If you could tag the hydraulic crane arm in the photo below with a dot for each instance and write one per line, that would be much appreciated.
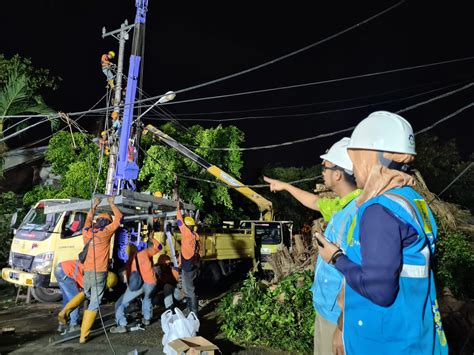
(265, 207)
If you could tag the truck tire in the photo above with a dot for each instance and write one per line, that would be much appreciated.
(214, 273)
(46, 295)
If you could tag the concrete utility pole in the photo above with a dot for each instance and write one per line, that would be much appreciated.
(113, 144)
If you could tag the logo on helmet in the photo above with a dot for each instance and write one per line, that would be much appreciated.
(411, 139)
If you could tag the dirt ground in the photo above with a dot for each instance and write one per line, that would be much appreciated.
(35, 330)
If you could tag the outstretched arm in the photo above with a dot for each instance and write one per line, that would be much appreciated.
(306, 198)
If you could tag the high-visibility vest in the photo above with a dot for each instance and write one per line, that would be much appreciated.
(412, 324)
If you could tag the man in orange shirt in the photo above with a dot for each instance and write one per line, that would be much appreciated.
(107, 67)
(147, 273)
(68, 273)
(97, 238)
(189, 258)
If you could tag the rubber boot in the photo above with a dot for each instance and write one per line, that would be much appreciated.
(193, 305)
(75, 302)
(87, 322)
(111, 83)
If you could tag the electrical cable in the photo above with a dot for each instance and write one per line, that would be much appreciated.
(452, 182)
(300, 115)
(270, 146)
(276, 60)
(312, 103)
(221, 183)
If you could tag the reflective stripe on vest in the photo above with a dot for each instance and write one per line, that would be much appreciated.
(408, 270)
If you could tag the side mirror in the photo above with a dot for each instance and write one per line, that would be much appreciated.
(13, 220)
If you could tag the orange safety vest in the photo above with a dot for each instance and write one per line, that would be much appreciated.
(104, 61)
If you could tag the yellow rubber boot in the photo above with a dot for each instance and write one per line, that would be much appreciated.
(75, 302)
(111, 83)
(87, 322)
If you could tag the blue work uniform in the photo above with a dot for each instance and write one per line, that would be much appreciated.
(409, 322)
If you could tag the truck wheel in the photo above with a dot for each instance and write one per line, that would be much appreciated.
(214, 273)
(46, 295)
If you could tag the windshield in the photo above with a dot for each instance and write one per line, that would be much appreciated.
(268, 233)
(37, 225)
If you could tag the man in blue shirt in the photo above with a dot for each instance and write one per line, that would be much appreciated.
(337, 174)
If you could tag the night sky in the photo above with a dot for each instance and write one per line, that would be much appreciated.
(190, 43)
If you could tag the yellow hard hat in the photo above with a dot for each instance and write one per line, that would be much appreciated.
(112, 279)
(112, 54)
(157, 194)
(189, 221)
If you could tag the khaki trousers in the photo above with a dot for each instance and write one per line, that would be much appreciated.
(323, 332)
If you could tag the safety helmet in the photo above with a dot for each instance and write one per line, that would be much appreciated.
(337, 155)
(112, 279)
(157, 194)
(189, 221)
(104, 215)
(384, 131)
(112, 54)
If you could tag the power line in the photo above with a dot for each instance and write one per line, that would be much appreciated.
(308, 104)
(314, 83)
(276, 60)
(299, 115)
(270, 146)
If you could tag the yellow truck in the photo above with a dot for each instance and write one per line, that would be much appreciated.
(269, 235)
(39, 243)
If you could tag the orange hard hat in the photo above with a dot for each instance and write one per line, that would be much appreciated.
(104, 215)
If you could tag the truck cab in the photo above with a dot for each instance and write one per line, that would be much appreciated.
(270, 236)
(40, 242)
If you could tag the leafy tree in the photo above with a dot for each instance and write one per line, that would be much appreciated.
(286, 206)
(20, 87)
(439, 163)
(38, 79)
(161, 163)
(77, 162)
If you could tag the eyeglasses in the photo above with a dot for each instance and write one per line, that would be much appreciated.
(324, 168)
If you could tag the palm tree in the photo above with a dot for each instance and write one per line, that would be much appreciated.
(16, 98)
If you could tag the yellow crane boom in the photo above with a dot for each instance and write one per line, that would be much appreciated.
(264, 206)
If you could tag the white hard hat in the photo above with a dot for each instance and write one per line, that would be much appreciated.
(337, 155)
(384, 131)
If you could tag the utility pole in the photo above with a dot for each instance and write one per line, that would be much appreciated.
(113, 143)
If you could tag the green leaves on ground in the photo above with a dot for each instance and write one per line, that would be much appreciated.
(280, 316)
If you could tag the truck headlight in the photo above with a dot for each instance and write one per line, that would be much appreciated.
(43, 263)
(10, 259)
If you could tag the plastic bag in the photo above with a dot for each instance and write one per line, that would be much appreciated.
(176, 326)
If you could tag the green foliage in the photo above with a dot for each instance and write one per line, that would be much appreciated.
(286, 206)
(279, 317)
(439, 163)
(64, 149)
(162, 163)
(454, 264)
(8, 206)
(77, 165)
(38, 78)
(39, 193)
